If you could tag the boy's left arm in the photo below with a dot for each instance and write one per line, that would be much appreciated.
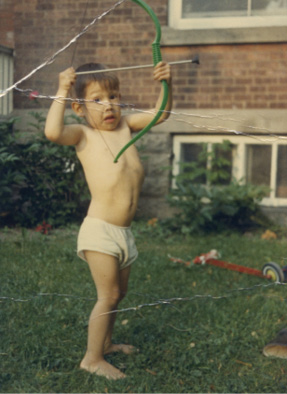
(138, 121)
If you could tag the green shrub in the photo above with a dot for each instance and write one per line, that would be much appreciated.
(10, 168)
(219, 204)
(40, 181)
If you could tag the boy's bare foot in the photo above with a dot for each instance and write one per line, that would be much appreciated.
(126, 349)
(103, 368)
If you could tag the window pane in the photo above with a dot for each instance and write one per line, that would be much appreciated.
(214, 8)
(281, 184)
(222, 167)
(258, 164)
(269, 7)
(194, 154)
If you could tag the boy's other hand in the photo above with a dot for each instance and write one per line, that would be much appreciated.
(67, 79)
(162, 71)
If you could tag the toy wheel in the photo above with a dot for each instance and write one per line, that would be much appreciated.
(274, 271)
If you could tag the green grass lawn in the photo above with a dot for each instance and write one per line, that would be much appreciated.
(211, 342)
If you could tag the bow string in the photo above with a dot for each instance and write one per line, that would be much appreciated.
(156, 59)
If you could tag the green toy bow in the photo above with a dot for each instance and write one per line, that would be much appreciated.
(156, 59)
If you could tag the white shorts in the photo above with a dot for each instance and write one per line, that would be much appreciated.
(99, 236)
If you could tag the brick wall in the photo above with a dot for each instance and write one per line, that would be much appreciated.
(236, 76)
(121, 38)
(7, 23)
(230, 76)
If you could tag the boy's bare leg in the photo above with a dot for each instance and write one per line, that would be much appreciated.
(105, 272)
(109, 346)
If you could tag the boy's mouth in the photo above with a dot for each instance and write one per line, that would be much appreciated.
(109, 119)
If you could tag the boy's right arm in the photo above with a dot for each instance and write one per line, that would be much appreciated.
(55, 130)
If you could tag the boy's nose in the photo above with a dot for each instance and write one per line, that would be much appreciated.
(108, 104)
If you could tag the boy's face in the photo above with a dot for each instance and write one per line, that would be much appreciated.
(102, 110)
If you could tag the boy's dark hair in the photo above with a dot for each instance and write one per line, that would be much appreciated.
(106, 80)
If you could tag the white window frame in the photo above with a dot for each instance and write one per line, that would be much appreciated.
(6, 79)
(177, 22)
(239, 158)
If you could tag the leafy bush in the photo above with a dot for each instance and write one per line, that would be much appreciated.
(11, 176)
(40, 181)
(222, 203)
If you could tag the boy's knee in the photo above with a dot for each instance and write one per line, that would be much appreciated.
(117, 297)
(112, 299)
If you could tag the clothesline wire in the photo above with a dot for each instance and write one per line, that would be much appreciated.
(155, 302)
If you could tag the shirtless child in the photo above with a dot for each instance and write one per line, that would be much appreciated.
(105, 240)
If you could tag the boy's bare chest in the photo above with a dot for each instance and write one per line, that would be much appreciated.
(99, 143)
(98, 154)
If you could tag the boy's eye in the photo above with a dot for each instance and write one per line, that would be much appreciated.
(97, 100)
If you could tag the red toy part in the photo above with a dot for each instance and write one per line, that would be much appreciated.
(270, 270)
(204, 257)
(177, 260)
(209, 258)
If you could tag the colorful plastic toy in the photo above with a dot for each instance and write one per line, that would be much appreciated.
(271, 271)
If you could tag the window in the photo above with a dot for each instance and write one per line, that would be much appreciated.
(212, 14)
(256, 162)
(6, 79)
(281, 179)
(202, 154)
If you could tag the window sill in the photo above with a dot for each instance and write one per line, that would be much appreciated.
(264, 122)
(6, 50)
(174, 37)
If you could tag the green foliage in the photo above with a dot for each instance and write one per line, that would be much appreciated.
(40, 181)
(220, 202)
(11, 174)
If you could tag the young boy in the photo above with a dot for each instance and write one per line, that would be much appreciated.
(105, 240)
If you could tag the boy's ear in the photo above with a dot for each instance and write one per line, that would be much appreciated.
(78, 108)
